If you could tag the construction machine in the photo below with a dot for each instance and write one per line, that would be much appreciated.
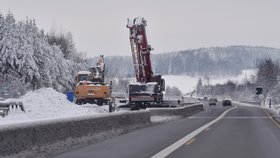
(148, 90)
(90, 85)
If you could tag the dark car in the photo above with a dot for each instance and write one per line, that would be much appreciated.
(226, 102)
(213, 101)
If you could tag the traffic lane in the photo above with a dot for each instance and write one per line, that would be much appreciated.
(246, 111)
(243, 132)
(147, 141)
(218, 105)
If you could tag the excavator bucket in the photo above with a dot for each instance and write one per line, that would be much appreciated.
(6, 107)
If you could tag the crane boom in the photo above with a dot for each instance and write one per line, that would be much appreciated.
(140, 50)
(148, 90)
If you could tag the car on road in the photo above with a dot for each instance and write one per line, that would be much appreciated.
(226, 102)
(213, 101)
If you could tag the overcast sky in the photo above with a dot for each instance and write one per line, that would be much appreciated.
(99, 26)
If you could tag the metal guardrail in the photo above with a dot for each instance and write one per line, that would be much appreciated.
(6, 107)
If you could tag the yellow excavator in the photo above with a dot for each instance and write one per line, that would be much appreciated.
(90, 85)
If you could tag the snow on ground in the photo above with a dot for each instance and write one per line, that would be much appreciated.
(46, 104)
(187, 83)
(274, 109)
(239, 78)
(247, 104)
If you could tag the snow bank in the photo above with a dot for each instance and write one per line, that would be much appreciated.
(246, 104)
(46, 104)
(274, 109)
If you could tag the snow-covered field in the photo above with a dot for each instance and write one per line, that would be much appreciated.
(46, 104)
(187, 83)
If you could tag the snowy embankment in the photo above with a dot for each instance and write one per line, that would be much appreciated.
(247, 104)
(273, 109)
(48, 104)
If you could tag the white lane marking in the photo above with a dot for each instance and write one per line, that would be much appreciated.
(246, 117)
(165, 152)
(234, 117)
(200, 117)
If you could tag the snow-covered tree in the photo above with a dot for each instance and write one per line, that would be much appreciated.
(26, 56)
(64, 41)
(267, 74)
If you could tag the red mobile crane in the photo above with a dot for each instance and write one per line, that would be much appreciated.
(148, 89)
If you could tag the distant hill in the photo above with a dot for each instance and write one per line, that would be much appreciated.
(214, 61)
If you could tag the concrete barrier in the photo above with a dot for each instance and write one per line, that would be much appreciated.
(56, 135)
(184, 111)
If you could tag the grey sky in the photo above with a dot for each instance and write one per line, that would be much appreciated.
(98, 26)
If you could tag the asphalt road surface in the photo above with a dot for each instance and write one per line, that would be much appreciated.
(242, 132)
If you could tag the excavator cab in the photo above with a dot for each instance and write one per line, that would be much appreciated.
(82, 76)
